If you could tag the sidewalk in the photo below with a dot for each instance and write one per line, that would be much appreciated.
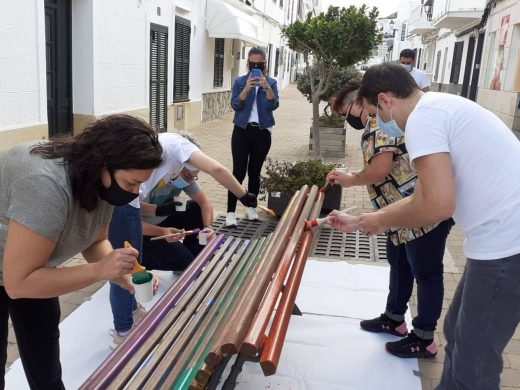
(290, 142)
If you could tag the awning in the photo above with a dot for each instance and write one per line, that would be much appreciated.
(226, 21)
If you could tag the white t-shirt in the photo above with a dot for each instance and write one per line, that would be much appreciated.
(176, 152)
(485, 157)
(420, 78)
(253, 116)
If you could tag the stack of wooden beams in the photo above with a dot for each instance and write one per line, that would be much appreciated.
(221, 306)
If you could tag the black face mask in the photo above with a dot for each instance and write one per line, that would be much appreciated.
(355, 121)
(114, 194)
(256, 65)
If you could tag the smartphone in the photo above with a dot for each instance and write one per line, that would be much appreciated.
(256, 73)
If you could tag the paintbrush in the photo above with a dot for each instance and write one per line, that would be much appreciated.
(268, 211)
(180, 234)
(139, 273)
(327, 183)
(317, 222)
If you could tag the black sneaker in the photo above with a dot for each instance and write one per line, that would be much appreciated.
(412, 346)
(384, 324)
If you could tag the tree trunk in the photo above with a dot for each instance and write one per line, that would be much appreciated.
(316, 126)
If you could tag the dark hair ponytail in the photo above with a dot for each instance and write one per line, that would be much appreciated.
(116, 141)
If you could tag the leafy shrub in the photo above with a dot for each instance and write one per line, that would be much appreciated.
(285, 176)
(332, 121)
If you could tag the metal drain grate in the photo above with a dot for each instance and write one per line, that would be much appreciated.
(327, 243)
(245, 229)
(354, 246)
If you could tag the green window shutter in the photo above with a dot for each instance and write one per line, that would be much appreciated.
(181, 70)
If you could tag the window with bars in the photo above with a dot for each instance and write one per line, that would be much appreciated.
(181, 69)
(158, 77)
(218, 66)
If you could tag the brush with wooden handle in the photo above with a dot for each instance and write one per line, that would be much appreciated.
(180, 234)
(139, 272)
(268, 211)
(317, 222)
(328, 183)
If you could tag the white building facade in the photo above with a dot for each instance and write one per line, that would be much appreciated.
(64, 63)
(499, 87)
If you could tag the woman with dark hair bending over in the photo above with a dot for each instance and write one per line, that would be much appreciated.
(56, 200)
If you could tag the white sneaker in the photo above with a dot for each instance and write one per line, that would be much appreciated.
(231, 219)
(252, 214)
(137, 315)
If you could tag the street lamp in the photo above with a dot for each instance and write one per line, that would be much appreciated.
(392, 25)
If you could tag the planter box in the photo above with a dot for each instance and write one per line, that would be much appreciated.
(332, 199)
(332, 141)
(278, 201)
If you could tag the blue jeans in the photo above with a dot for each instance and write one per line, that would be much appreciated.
(480, 322)
(420, 259)
(125, 225)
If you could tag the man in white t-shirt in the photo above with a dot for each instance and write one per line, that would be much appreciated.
(407, 60)
(467, 162)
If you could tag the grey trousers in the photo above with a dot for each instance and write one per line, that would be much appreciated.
(480, 322)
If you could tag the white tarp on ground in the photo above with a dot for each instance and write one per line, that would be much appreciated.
(324, 349)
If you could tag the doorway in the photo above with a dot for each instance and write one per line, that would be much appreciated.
(476, 68)
(58, 50)
(468, 67)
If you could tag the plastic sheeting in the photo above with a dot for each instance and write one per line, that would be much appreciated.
(324, 349)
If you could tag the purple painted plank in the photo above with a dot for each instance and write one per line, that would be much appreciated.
(105, 373)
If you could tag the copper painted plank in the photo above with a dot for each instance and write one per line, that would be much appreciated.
(256, 334)
(255, 291)
(272, 348)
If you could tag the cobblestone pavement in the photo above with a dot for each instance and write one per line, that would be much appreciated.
(291, 142)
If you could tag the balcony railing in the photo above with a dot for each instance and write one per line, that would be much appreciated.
(455, 14)
(420, 18)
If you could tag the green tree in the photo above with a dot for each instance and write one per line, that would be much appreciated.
(338, 38)
(338, 78)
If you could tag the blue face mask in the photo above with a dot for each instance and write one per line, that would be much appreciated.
(179, 182)
(390, 128)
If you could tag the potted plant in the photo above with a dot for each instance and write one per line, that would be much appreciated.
(330, 42)
(283, 178)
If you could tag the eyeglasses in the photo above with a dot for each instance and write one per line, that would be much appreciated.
(259, 65)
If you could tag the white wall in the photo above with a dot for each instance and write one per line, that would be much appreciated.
(110, 54)
(121, 53)
(23, 96)
(403, 15)
(446, 42)
(83, 57)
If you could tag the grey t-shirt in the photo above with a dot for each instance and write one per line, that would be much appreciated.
(37, 193)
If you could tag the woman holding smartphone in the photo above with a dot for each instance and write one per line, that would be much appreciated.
(254, 98)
